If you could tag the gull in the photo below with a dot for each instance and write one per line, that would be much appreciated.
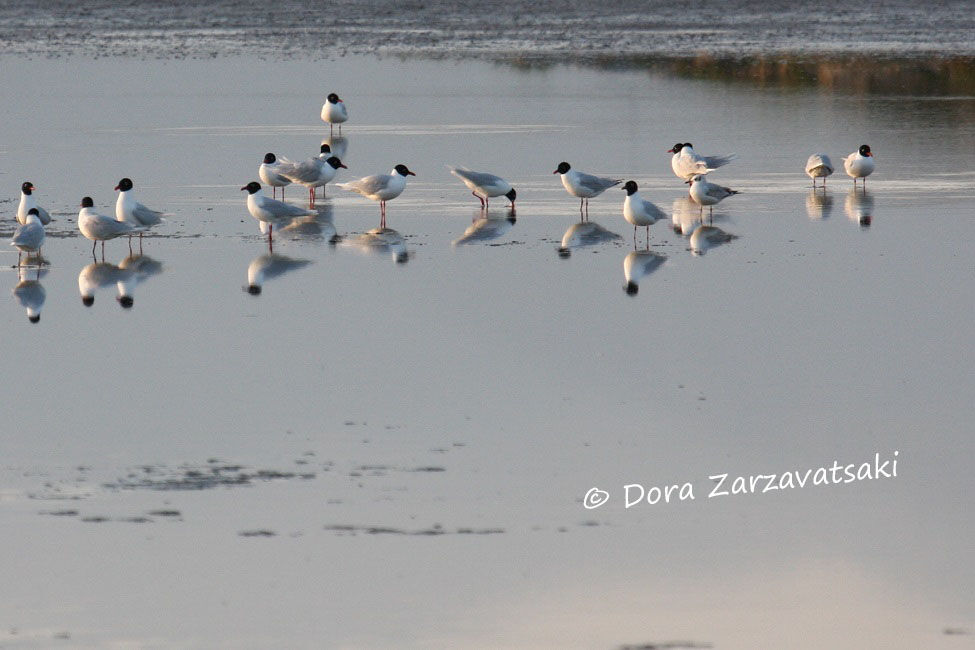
(640, 212)
(312, 173)
(484, 185)
(29, 236)
(270, 174)
(99, 227)
(687, 163)
(130, 211)
(30, 293)
(28, 201)
(334, 112)
(584, 186)
(859, 164)
(381, 187)
(708, 194)
(270, 211)
(819, 166)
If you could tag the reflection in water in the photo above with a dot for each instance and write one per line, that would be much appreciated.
(266, 267)
(314, 226)
(637, 265)
(584, 233)
(381, 241)
(135, 270)
(819, 204)
(486, 228)
(686, 216)
(98, 275)
(339, 145)
(704, 238)
(859, 207)
(29, 292)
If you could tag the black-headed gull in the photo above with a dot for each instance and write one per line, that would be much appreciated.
(705, 238)
(584, 186)
(859, 164)
(29, 236)
(28, 201)
(130, 211)
(637, 265)
(708, 194)
(687, 163)
(381, 187)
(638, 211)
(30, 294)
(312, 173)
(334, 112)
(271, 211)
(819, 166)
(270, 174)
(99, 227)
(484, 185)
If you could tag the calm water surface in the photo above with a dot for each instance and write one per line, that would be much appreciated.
(390, 445)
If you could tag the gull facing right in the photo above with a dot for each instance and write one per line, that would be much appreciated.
(859, 164)
(638, 211)
(708, 194)
(334, 112)
(28, 201)
(484, 185)
(381, 187)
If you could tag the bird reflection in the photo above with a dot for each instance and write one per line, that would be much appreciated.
(859, 207)
(584, 233)
(819, 204)
(486, 227)
(704, 238)
(637, 265)
(98, 275)
(313, 226)
(126, 275)
(381, 241)
(686, 216)
(29, 292)
(339, 145)
(267, 267)
(135, 269)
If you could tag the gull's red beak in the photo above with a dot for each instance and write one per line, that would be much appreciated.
(241, 189)
(115, 188)
(670, 151)
(342, 166)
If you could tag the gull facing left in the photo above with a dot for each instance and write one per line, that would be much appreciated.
(271, 211)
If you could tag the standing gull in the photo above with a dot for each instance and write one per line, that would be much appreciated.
(29, 236)
(584, 186)
(859, 164)
(640, 212)
(312, 173)
(270, 174)
(381, 187)
(130, 211)
(28, 201)
(99, 227)
(334, 112)
(687, 163)
(484, 185)
(708, 194)
(819, 166)
(270, 211)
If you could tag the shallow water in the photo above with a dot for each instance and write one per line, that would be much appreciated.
(373, 453)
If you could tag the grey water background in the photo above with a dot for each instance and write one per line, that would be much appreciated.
(379, 454)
